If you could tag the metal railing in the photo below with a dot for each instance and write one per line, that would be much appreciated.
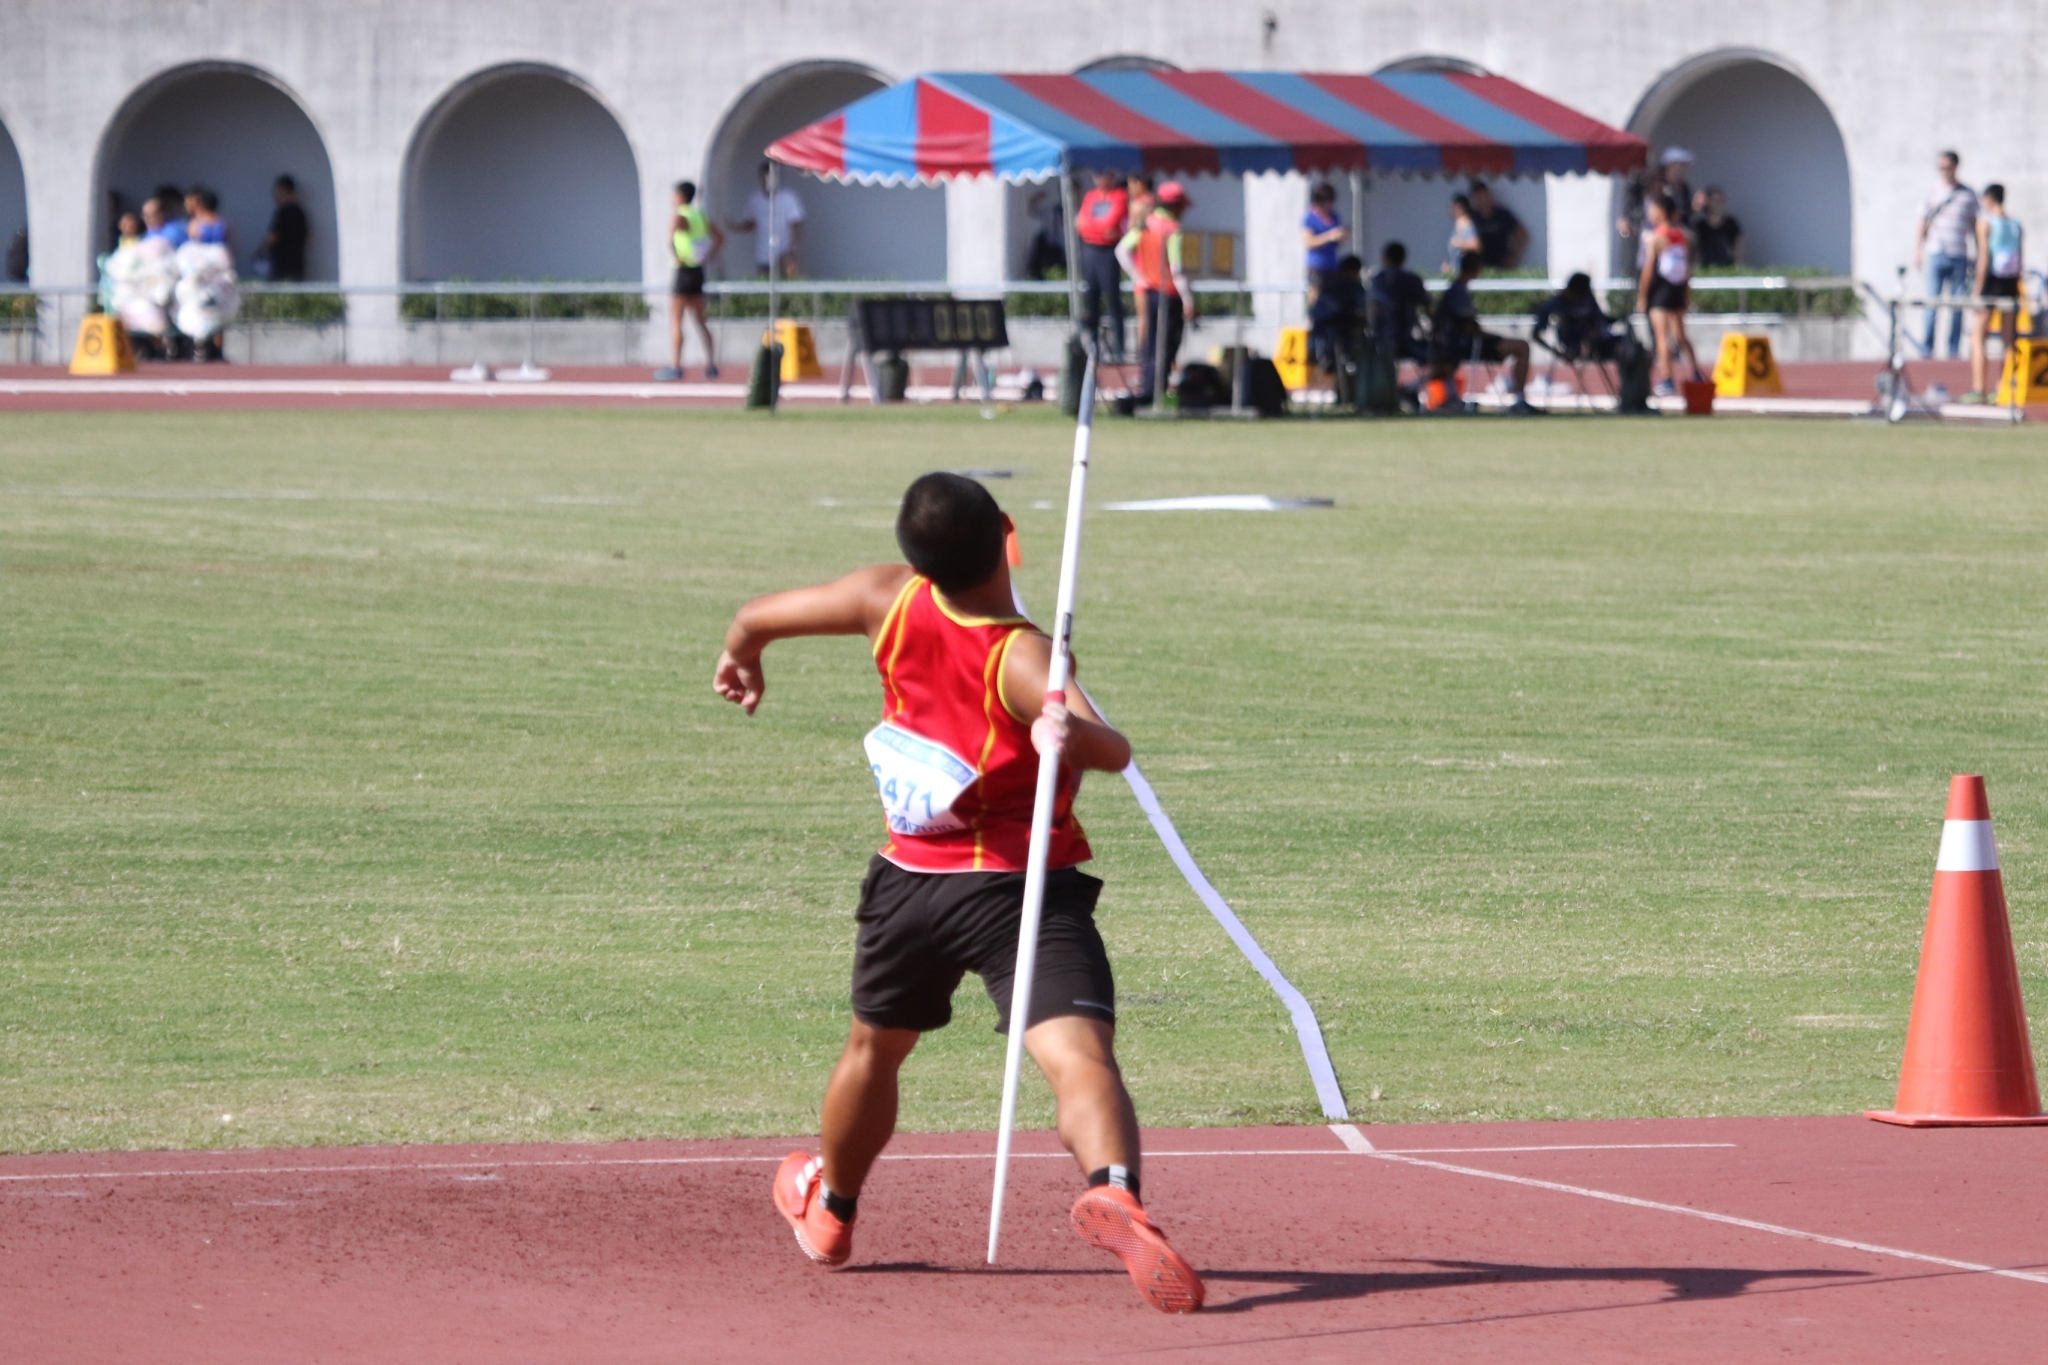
(617, 321)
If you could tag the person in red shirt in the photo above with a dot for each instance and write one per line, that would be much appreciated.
(1100, 224)
(965, 717)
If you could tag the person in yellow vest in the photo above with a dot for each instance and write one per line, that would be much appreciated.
(693, 239)
(1151, 256)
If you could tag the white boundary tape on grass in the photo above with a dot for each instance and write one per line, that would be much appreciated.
(1306, 1028)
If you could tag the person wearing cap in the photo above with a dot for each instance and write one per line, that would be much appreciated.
(1151, 256)
(1100, 223)
(1668, 179)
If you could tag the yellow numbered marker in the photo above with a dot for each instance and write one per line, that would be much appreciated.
(1746, 368)
(102, 347)
(799, 351)
(2026, 373)
(1291, 357)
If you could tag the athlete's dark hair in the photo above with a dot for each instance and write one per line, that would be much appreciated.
(951, 531)
(286, 183)
(1394, 253)
(1995, 193)
(688, 190)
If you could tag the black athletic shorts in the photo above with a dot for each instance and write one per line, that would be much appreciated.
(689, 282)
(920, 932)
(1668, 297)
(2001, 286)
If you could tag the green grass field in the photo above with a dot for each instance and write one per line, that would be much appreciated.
(360, 777)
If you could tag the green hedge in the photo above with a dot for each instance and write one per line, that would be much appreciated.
(546, 307)
(313, 309)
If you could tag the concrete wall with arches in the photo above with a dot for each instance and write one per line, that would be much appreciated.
(691, 89)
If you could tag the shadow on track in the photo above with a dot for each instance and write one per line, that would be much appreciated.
(1314, 1286)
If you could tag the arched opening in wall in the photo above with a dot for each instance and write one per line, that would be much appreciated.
(850, 232)
(13, 215)
(233, 130)
(1761, 133)
(1416, 211)
(519, 173)
(1125, 61)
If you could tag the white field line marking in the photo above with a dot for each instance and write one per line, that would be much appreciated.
(1353, 1140)
(386, 1166)
(1729, 1220)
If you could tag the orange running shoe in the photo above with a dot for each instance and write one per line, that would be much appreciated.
(798, 1182)
(1114, 1220)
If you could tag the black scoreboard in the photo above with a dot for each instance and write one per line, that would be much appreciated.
(922, 324)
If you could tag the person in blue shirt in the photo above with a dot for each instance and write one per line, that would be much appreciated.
(1322, 232)
(203, 222)
(2000, 257)
(161, 214)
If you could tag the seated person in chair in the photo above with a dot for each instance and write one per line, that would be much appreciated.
(1337, 321)
(1395, 300)
(1579, 328)
(1456, 337)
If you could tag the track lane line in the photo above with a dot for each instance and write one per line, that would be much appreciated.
(1707, 1215)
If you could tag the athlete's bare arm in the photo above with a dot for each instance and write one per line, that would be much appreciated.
(1087, 741)
(854, 605)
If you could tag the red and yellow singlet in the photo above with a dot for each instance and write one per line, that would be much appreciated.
(952, 763)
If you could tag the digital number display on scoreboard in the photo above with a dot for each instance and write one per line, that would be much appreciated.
(917, 324)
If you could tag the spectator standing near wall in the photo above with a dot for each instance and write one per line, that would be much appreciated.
(693, 239)
(2000, 261)
(1502, 238)
(1942, 243)
(283, 248)
(1669, 180)
(1101, 222)
(1464, 234)
(1153, 258)
(203, 223)
(1322, 235)
(164, 217)
(778, 227)
(1716, 232)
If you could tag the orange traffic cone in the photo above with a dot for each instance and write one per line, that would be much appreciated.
(1967, 1059)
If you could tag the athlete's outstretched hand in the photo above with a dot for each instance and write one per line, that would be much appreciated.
(1049, 732)
(740, 683)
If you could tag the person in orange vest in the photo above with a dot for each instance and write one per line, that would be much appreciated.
(1100, 223)
(1151, 256)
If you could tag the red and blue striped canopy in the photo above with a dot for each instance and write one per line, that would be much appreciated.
(1027, 127)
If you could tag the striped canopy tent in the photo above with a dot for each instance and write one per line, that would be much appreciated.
(1032, 127)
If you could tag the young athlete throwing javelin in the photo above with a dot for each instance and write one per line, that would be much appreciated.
(955, 761)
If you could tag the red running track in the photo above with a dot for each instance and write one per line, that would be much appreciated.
(669, 1251)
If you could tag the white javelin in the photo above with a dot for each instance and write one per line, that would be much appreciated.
(1041, 810)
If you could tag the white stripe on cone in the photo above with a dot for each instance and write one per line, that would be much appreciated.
(1967, 846)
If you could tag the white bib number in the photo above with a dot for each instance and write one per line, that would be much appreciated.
(917, 780)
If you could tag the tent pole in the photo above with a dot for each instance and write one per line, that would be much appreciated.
(774, 269)
(1073, 244)
(1358, 213)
